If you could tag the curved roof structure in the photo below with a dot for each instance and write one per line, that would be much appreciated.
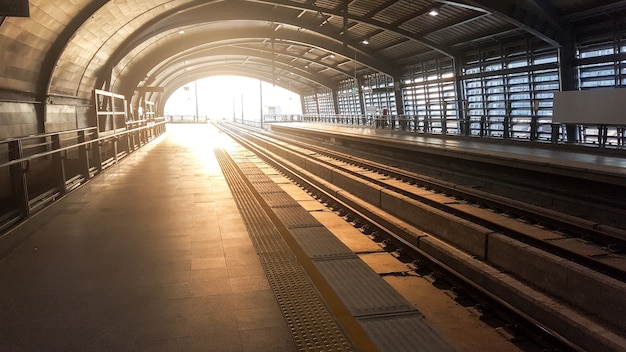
(66, 49)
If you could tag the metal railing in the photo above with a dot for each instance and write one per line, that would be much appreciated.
(37, 170)
(187, 119)
(513, 127)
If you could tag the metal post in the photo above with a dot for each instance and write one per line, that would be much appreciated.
(83, 155)
(18, 178)
(59, 164)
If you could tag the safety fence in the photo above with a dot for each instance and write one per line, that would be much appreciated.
(37, 170)
(515, 128)
(187, 119)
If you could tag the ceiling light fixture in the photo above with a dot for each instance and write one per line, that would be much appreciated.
(434, 11)
(181, 32)
(365, 41)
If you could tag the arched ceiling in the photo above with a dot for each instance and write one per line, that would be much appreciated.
(65, 49)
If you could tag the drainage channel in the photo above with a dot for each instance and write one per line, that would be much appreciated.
(310, 321)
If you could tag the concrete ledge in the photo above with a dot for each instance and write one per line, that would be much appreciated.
(367, 191)
(598, 294)
(462, 233)
(320, 170)
(563, 320)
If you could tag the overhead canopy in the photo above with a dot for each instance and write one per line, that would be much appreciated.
(65, 49)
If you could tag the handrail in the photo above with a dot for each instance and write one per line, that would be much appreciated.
(512, 127)
(48, 134)
(37, 180)
(73, 146)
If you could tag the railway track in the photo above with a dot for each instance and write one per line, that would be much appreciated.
(411, 211)
(595, 197)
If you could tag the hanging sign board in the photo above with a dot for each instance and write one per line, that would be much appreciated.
(591, 107)
(14, 8)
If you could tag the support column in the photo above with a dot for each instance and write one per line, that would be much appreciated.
(397, 95)
(567, 75)
(359, 87)
(335, 101)
(461, 102)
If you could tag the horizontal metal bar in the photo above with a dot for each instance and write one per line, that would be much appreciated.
(51, 152)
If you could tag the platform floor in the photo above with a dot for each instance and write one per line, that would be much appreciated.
(611, 162)
(152, 255)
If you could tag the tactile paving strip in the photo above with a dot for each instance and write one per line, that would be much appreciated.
(267, 187)
(319, 243)
(361, 289)
(279, 200)
(296, 217)
(398, 329)
(311, 324)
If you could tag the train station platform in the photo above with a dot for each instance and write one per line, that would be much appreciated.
(151, 255)
(158, 254)
(578, 161)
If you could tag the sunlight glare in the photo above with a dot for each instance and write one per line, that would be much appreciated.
(202, 139)
(230, 97)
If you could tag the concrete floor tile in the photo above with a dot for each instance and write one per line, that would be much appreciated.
(240, 251)
(233, 231)
(242, 260)
(177, 291)
(217, 324)
(170, 276)
(204, 275)
(210, 288)
(258, 318)
(254, 299)
(208, 263)
(208, 305)
(209, 252)
(236, 241)
(174, 264)
(254, 269)
(269, 339)
(182, 344)
(249, 284)
(222, 343)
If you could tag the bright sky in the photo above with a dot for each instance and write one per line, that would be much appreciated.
(219, 95)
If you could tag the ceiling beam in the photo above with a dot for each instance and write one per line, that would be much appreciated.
(362, 19)
(535, 17)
